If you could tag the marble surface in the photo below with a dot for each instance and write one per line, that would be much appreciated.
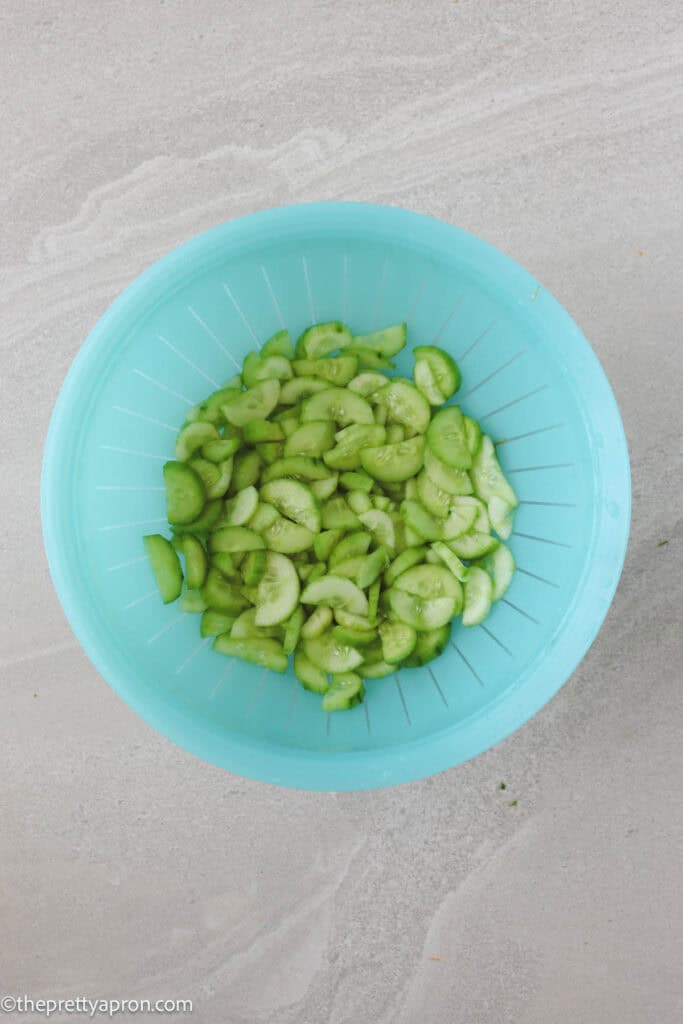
(127, 867)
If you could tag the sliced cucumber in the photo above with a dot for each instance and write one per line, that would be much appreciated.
(279, 344)
(245, 627)
(246, 470)
(263, 517)
(214, 623)
(398, 641)
(203, 523)
(372, 568)
(337, 371)
(478, 596)
(312, 439)
(487, 476)
(253, 567)
(294, 500)
(293, 631)
(356, 481)
(286, 537)
(353, 544)
(406, 405)
(321, 339)
(387, 342)
(454, 481)
(310, 677)
(317, 622)
(338, 593)
(278, 591)
(443, 370)
(325, 543)
(221, 450)
(429, 645)
(346, 691)
(261, 651)
(235, 538)
(359, 502)
(450, 560)
(473, 544)
(446, 438)
(430, 581)
(434, 499)
(185, 493)
(368, 359)
(406, 560)
(256, 431)
(374, 592)
(240, 509)
(473, 435)
(394, 462)
(336, 515)
(500, 512)
(326, 653)
(381, 526)
(298, 388)
(192, 437)
(338, 404)
(255, 404)
(196, 562)
(500, 566)
(326, 487)
(368, 384)
(221, 594)
(296, 467)
(421, 613)
(165, 566)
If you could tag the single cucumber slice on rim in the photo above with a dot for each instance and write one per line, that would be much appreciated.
(279, 344)
(388, 342)
(443, 368)
(165, 566)
(261, 651)
(185, 493)
(321, 339)
(478, 596)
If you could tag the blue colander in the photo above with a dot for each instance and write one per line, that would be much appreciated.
(180, 331)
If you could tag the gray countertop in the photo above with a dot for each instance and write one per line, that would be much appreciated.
(127, 867)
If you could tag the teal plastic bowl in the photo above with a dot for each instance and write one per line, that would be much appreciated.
(182, 329)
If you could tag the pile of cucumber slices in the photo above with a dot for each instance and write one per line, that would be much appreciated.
(326, 510)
